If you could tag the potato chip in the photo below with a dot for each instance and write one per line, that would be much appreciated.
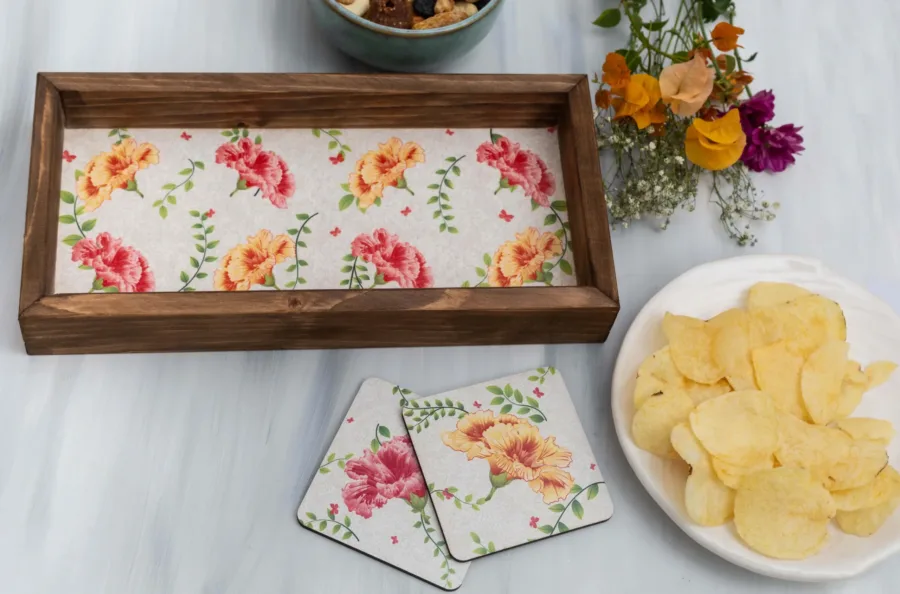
(853, 387)
(866, 521)
(777, 370)
(731, 474)
(871, 429)
(878, 373)
(821, 380)
(653, 422)
(822, 319)
(700, 393)
(731, 352)
(729, 317)
(768, 294)
(707, 501)
(685, 444)
(661, 366)
(738, 427)
(811, 447)
(885, 487)
(647, 387)
(691, 346)
(783, 513)
(859, 466)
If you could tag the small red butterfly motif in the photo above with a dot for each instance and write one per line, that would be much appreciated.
(552, 129)
(186, 136)
(210, 213)
(593, 467)
(534, 521)
(537, 392)
(395, 540)
(350, 420)
(449, 132)
(476, 404)
(335, 232)
(335, 509)
(338, 159)
(506, 216)
(68, 157)
(405, 212)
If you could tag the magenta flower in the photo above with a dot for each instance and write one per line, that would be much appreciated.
(772, 149)
(757, 111)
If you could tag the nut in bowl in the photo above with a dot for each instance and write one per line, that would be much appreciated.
(778, 437)
(405, 35)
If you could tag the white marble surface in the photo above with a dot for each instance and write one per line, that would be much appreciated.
(182, 473)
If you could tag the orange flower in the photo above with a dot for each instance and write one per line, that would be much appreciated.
(113, 171)
(717, 144)
(250, 263)
(703, 52)
(469, 435)
(603, 99)
(383, 168)
(686, 87)
(521, 453)
(520, 260)
(366, 194)
(615, 71)
(640, 101)
(725, 36)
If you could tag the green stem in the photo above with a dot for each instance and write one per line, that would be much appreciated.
(334, 138)
(377, 438)
(297, 249)
(339, 524)
(441, 189)
(520, 404)
(636, 24)
(491, 494)
(441, 493)
(577, 495)
(432, 411)
(202, 261)
(335, 461)
(187, 179)
(354, 276)
(75, 216)
(431, 538)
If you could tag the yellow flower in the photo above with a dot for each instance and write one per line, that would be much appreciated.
(520, 260)
(717, 144)
(469, 435)
(639, 100)
(383, 168)
(113, 170)
(514, 447)
(686, 87)
(521, 453)
(615, 71)
(250, 263)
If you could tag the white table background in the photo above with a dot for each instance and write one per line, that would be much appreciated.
(182, 473)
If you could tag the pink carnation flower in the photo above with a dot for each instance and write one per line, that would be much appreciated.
(392, 473)
(520, 168)
(398, 261)
(259, 169)
(116, 265)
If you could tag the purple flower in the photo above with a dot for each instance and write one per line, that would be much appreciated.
(757, 111)
(772, 149)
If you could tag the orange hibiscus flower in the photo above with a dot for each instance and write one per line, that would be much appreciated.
(615, 71)
(515, 450)
(469, 435)
(114, 170)
(383, 168)
(521, 260)
(640, 101)
(725, 36)
(250, 263)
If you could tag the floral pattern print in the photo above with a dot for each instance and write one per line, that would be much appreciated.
(394, 260)
(114, 170)
(381, 169)
(263, 170)
(448, 224)
(252, 263)
(390, 473)
(116, 265)
(519, 168)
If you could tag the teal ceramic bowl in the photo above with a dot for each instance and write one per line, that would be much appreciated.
(400, 49)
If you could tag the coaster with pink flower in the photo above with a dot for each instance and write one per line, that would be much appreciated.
(369, 493)
(517, 457)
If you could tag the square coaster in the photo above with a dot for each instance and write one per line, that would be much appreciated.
(514, 461)
(369, 493)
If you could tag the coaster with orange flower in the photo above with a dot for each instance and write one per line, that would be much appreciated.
(517, 457)
(369, 493)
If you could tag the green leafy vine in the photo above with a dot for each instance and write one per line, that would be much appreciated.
(298, 243)
(542, 374)
(482, 548)
(320, 524)
(508, 398)
(481, 272)
(333, 459)
(441, 198)
(576, 507)
(334, 143)
(187, 183)
(418, 415)
(203, 246)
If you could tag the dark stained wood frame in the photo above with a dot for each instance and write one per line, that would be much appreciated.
(115, 323)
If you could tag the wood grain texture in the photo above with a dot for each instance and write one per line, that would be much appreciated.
(111, 323)
(39, 253)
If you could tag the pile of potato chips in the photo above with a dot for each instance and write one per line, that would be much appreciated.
(758, 402)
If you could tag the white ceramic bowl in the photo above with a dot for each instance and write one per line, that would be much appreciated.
(873, 331)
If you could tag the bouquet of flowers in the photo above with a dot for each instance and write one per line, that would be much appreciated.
(675, 103)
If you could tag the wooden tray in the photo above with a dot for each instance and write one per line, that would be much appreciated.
(54, 322)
